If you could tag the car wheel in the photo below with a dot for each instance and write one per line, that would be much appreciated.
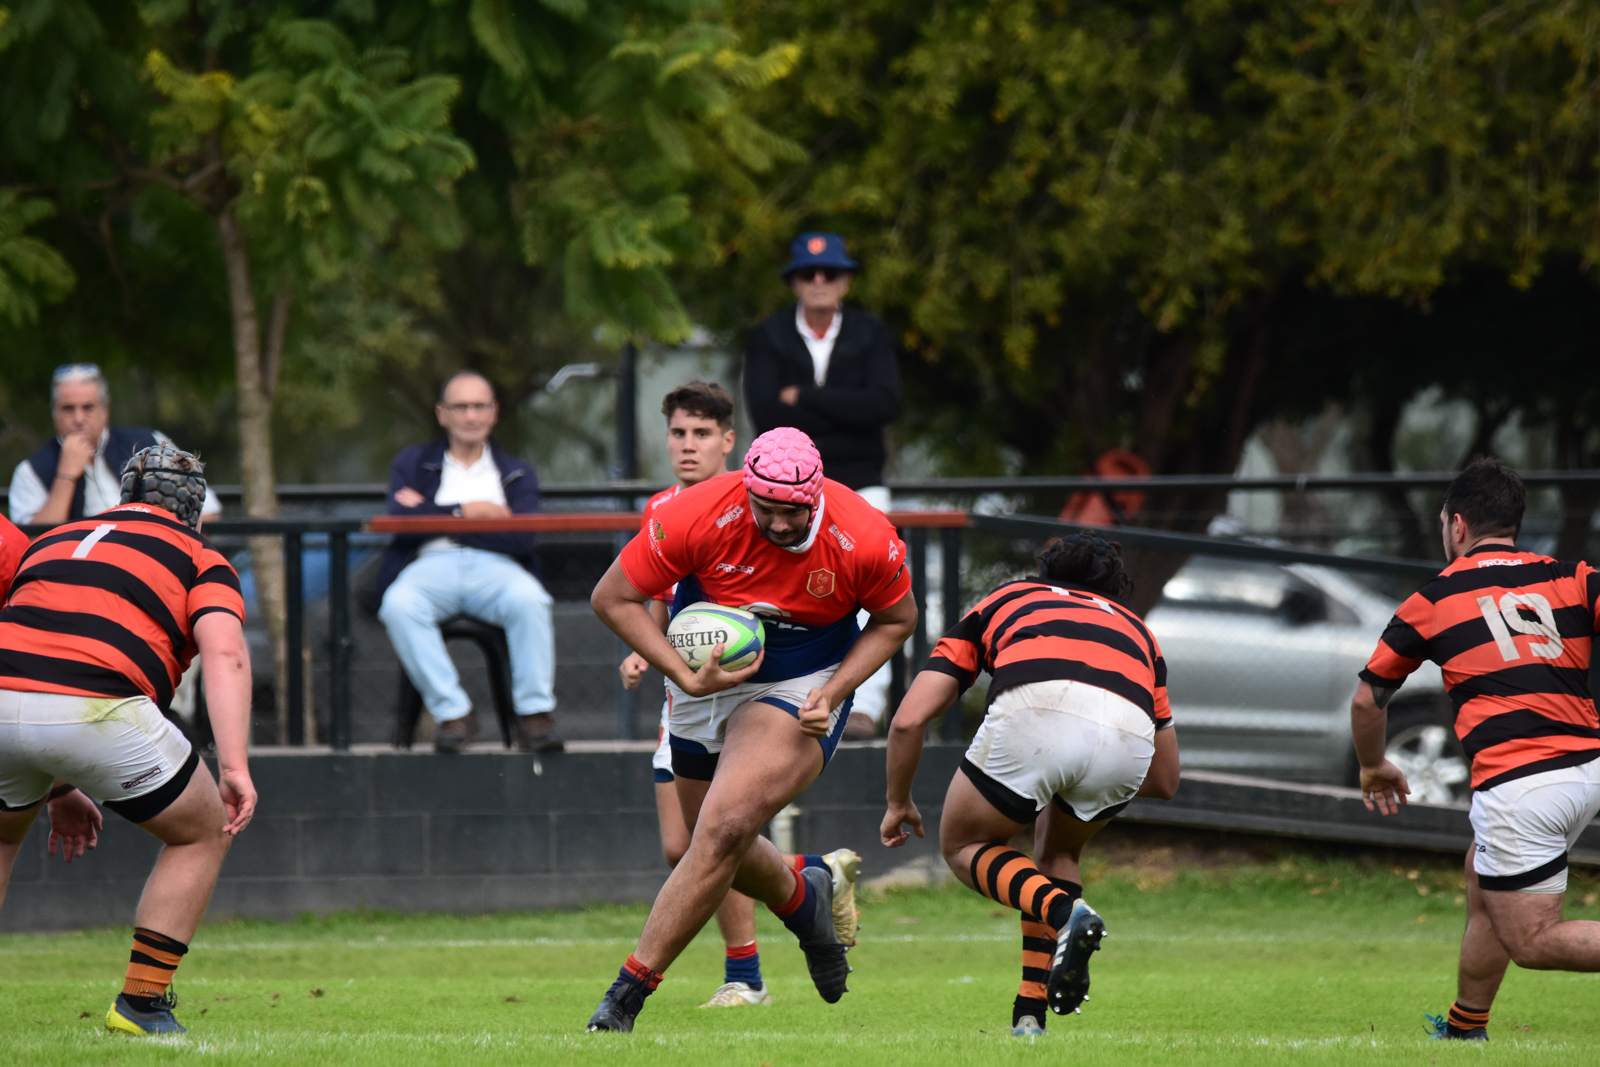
(1429, 755)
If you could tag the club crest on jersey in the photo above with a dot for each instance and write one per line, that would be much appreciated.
(819, 583)
(841, 537)
(729, 515)
(657, 531)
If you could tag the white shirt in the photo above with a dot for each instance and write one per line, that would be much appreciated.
(821, 348)
(464, 483)
(102, 487)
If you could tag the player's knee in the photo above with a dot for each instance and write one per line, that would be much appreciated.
(726, 834)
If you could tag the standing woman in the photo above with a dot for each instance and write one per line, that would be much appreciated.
(1077, 725)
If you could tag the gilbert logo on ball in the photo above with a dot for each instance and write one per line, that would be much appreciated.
(701, 626)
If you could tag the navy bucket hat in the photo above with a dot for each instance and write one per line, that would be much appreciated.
(813, 250)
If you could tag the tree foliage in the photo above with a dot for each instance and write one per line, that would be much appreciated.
(1094, 216)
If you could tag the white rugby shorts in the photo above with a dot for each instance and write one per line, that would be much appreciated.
(1082, 745)
(698, 726)
(121, 751)
(1522, 829)
(661, 762)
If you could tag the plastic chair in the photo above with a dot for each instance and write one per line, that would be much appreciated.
(496, 652)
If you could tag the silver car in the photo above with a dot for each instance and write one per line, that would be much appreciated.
(1262, 661)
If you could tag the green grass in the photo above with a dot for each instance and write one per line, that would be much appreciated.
(1298, 961)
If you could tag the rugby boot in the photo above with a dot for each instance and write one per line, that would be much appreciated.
(846, 919)
(620, 1006)
(1028, 1027)
(453, 735)
(824, 954)
(1069, 969)
(738, 995)
(1439, 1029)
(124, 1018)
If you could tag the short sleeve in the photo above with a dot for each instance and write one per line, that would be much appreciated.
(659, 553)
(13, 543)
(959, 652)
(1403, 646)
(1162, 707)
(886, 577)
(216, 588)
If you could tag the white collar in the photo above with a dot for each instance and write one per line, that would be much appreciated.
(476, 465)
(806, 331)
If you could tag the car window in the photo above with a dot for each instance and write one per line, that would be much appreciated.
(1227, 585)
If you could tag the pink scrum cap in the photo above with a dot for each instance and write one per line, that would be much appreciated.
(783, 465)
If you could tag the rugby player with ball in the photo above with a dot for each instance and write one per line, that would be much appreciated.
(805, 554)
(699, 439)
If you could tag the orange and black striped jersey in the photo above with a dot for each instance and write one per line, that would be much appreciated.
(1036, 630)
(1512, 633)
(107, 606)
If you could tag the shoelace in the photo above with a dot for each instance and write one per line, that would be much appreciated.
(1435, 1027)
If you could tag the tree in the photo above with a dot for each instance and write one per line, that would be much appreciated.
(1090, 221)
(301, 148)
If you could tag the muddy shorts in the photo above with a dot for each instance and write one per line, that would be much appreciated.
(121, 751)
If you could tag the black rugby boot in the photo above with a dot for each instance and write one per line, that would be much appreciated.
(824, 952)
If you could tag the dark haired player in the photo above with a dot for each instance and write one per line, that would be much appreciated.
(104, 616)
(1513, 633)
(1077, 724)
(805, 553)
(699, 439)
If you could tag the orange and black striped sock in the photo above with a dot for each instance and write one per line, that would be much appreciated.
(1463, 1018)
(150, 967)
(1008, 877)
(1038, 946)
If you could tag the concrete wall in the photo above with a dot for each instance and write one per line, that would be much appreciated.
(493, 831)
(412, 832)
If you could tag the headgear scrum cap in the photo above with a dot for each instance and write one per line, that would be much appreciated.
(783, 465)
(168, 477)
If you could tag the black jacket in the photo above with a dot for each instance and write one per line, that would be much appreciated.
(421, 467)
(846, 415)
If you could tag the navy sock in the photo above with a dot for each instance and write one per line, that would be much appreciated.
(814, 861)
(743, 964)
(800, 910)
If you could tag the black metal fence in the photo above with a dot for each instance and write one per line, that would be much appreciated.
(970, 555)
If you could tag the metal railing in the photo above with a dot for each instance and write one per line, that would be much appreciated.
(915, 527)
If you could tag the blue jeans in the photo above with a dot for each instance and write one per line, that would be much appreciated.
(486, 586)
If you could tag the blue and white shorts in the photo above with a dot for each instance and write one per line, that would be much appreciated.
(697, 726)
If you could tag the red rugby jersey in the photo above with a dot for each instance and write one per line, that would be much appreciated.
(107, 606)
(706, 539)
(1512, 633)
(13, 542)
(649, 514)
(1036, 630)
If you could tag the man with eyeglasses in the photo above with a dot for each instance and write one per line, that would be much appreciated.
(77, 472)
(425, 580)
(828, 369)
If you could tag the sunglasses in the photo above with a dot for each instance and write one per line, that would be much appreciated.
(825, 274)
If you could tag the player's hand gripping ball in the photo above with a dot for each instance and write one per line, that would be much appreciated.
(701, 626)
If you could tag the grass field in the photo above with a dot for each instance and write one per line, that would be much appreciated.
(1295, 961)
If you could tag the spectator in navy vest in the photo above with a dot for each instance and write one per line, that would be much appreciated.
(828, 368)
(425, 580)
(78, 472)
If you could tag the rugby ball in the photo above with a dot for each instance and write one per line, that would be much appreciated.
(698, 628)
